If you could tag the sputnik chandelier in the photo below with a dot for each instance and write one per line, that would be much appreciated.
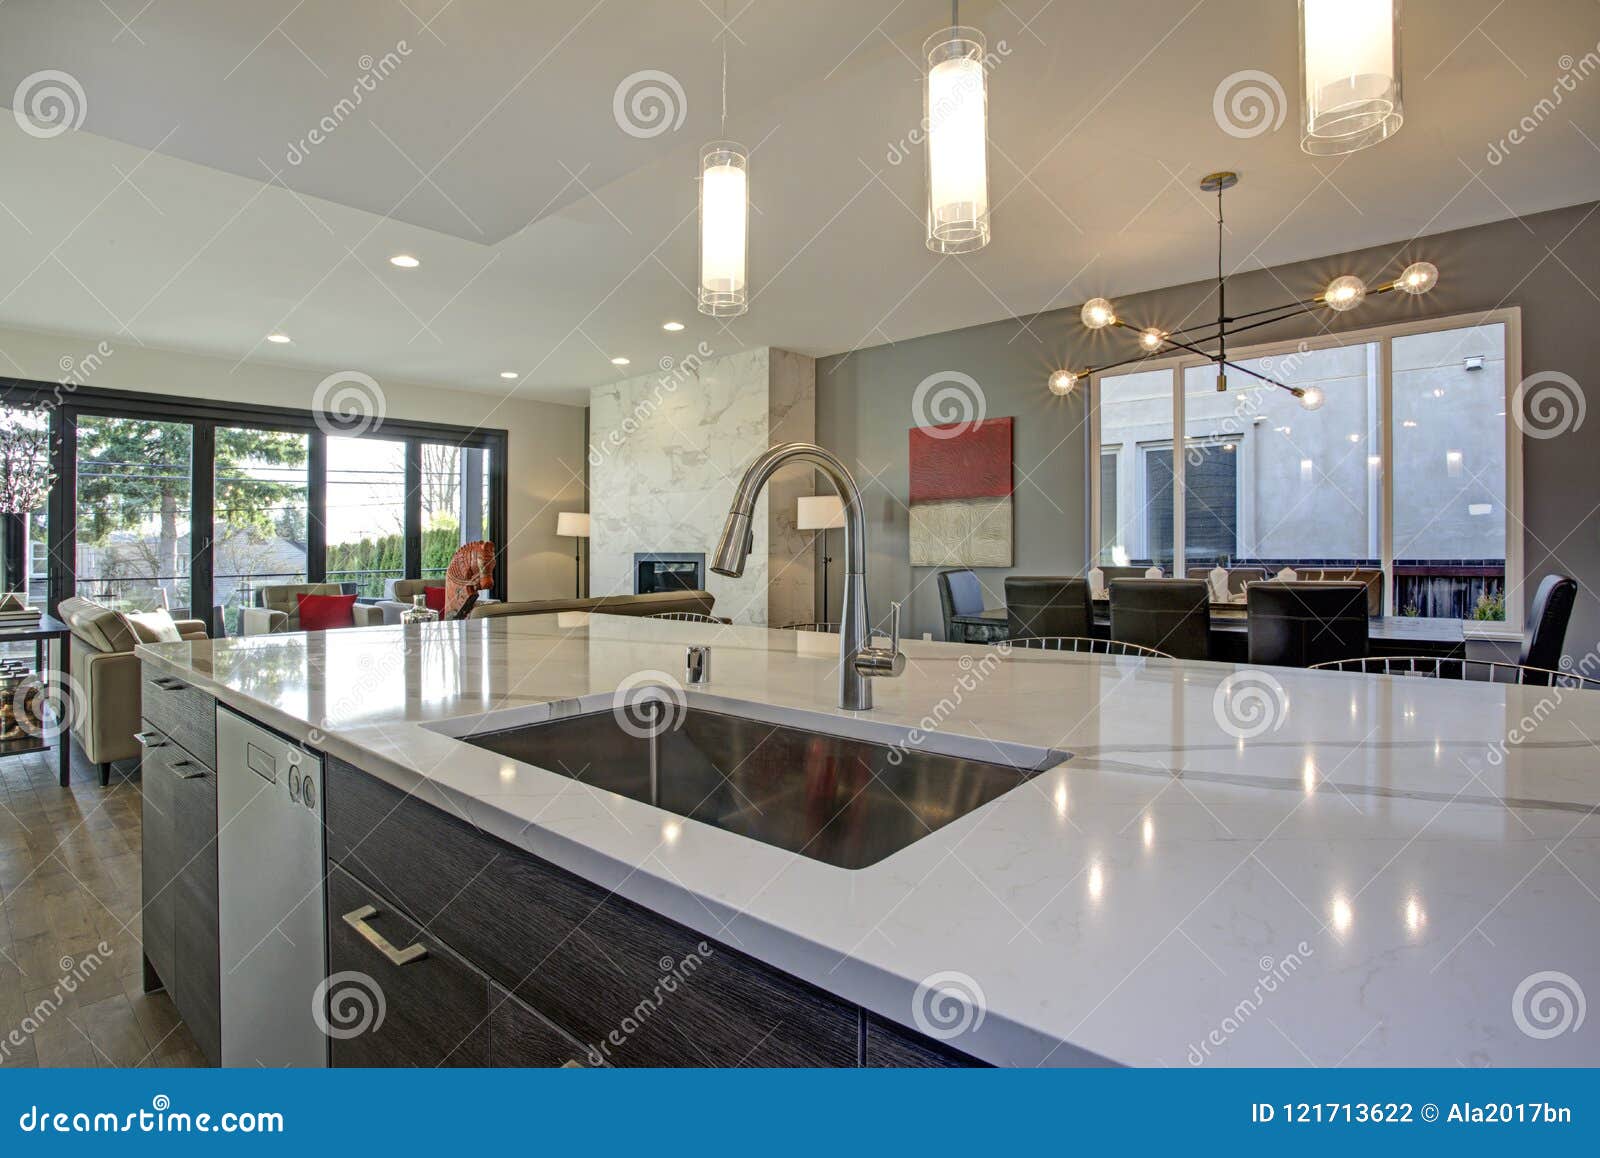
(1343, 293)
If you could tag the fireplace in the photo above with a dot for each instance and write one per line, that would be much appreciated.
(668, 571)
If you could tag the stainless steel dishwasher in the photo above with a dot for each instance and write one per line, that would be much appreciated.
(271, 883)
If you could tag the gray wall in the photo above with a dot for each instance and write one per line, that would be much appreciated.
(864, 397)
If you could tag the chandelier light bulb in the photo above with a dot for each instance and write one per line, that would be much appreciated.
(1063, 382)
(1152, 338)
(1312, 398)
(1345, 293)
(1418, 278)
(1098, 313)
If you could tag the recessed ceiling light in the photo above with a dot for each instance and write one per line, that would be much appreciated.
(404, 261)
(281, 339)
(508, 373)
(619, 361)
(672, 327)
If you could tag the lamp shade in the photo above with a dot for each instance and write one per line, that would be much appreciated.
(1349, 73)
(822, 513)
(573, 524)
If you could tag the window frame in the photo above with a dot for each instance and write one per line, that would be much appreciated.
(66, 403)
(1382, 336)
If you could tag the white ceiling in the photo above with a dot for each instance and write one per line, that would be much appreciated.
(552, 240)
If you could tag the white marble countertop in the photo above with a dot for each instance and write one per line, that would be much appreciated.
(1372, 879)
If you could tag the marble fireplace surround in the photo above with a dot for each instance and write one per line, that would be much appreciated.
(666, 450)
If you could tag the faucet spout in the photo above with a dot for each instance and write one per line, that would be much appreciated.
(859, 661)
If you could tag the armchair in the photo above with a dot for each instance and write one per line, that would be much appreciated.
(105, 666)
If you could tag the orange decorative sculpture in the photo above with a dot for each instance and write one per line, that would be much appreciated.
(471, 570)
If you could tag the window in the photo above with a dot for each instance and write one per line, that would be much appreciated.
(455, 502)
(366, 513)
(133, 511)
(1135, 412)
(1263, 481)
(1450, 472)
(196, 504)
(261, 524)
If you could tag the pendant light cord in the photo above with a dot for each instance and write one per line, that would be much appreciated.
(1222, 290)
(724, 70)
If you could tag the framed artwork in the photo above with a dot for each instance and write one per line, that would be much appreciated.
(961, 494)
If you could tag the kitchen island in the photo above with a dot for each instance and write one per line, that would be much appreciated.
(1216, 866)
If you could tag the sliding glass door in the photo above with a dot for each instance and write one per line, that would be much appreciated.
(366, 513)
(455, 502)
(262, 524)
(135, 481)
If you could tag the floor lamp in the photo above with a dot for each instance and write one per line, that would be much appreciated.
(575, 525)
(821, 513)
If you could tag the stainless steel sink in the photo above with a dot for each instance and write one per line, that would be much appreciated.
(842, 801)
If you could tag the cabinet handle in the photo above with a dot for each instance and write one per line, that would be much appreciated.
(150, 739)
(167, 683)
(357, 920)
(178, 766)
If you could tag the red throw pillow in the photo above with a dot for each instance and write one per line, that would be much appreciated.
(320, 612)
(434, 597)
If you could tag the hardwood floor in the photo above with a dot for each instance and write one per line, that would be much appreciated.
(69, 883)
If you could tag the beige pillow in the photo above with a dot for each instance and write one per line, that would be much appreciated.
(154, 626)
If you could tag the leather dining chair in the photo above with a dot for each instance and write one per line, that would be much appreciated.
(1169, 615)
(1547, 625)
(1047, 606)
(961, 600)
(1301, 624)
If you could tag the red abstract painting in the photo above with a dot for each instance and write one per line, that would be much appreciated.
(961, 489)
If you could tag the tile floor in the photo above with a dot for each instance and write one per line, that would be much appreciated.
(69, 880)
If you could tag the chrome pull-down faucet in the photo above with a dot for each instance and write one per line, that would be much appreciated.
(859, 661)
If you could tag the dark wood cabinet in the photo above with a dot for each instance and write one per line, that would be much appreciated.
(522, 1038)
(434, 1007)
(197, 989)
(647, 991)
(158, 859)
(186, 715)
(178, 858)
(890, 1045)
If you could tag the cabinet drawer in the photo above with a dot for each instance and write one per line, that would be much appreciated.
(435, 1009)
(645, 990)
(184, 714)
(890, 1045)
(158, 855)
(523, 1039)
(197, 992)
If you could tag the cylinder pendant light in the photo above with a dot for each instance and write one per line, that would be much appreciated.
(724, 229)
(956, 113)
(1349, 74)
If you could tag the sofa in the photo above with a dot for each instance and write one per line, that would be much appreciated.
(279, 610)
(653, 604)
(104, 666)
